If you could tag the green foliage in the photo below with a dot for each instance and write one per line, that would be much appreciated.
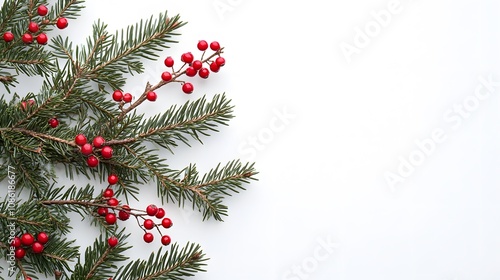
(76, 88)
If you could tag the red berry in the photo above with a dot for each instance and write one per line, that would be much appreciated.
(148, 237)
(113, 202)
(220, 61)
(187, 88)
(190, 71)
(215, 46)
(8, 36)
(117, 95)
(112, 179)
(161, 213)
(166, 76)
(214, 67)
(92, 161)
(102, 211)
(42, 237)
(33, 27)
(151, 210)
(112, 241)
(127, 98)
(107, 152)
(37, 247)
(169, 61)
(19, 253)
(27, 239)
(110, 218)
(197, 65)
(86, 149)
(151, 96)
(53, 123)
(42, 10)
(27, 38)
(108, 193)
(202, 45)
(149, 224)
(187, 57)
(62, 23)
(80, 139)
(98, 142)
(165, 240)
(122, 215)
(42, 39)
(204, 73)
(166, 223)
(16, 242)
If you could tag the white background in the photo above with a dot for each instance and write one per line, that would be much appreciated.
(326, 128)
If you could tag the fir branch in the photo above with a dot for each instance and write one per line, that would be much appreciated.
(174, 264)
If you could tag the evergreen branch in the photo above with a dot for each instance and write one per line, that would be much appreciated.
(175, 264)
(40, 136)
(67, 8)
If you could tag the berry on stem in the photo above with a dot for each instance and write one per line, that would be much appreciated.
(127, 97)
(33, 27)
(202, 45)
(27, 38)
(204, 73)
(117, 95)
(16, 242)
(102, 211)
(169, 61)
(110, 218)
(197, 65)
(112, 241)
(27, 239)
(80, 139)
(37, 247)
(187, 88)
(187, 57)
(112, 179)
(42, 10)
(42, 237)
(190, 71)
(214, 67)
(148, 237)
(161, 213)
(113, 201)
(125, 213)
(19, 253)
(8, 36)
(165, 240)
(107, 152)
(86, 149)
(151, 210)
(98, 142)
(215, 46)
(166, 223)
(108, 193)
(148, 224)
(151, 96)
(62, 23)
(92, 161)
(220, 61)
(42, 39)
(53, 122)
(166, 76)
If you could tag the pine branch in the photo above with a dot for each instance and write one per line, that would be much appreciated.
(174, 264)
(100, 260)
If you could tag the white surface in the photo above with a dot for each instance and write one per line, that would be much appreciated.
(322, 167)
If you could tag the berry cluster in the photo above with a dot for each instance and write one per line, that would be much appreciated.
(91, 150)
(195, 66)
(33, 29)
(27, 242)
(108, 211)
